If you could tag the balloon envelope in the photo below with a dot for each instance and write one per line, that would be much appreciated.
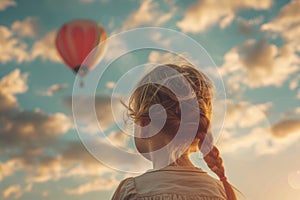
(76, 39)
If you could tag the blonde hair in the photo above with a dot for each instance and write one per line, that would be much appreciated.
(149, 94)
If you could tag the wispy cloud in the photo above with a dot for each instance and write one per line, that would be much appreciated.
(202, 15)
(294, 82)
(12, 48)
(255, 114)
(110, 84)
(148, 13)
(6, 3)
(53, 89)
(29, 27)
(72, 160)
(119, 139)
(9, 167)
(45, 48)
(106, 109)
(249, 27)
(259, 63)
(13, 190)
(116, 47)
(164, 58)
(259, 134)
(99, 184)
(286, 127)
(10, 85)
(286, 24)
(16, 191)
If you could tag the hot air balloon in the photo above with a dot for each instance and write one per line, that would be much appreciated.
(74, 42)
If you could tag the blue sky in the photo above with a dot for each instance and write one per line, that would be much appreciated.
(255, 45)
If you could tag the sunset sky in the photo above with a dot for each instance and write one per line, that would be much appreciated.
(255, 44)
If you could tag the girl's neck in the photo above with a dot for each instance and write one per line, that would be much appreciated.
(182, 161)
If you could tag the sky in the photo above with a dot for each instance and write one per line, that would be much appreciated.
(255, 45)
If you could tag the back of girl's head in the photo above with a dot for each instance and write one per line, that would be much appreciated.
(154, 88)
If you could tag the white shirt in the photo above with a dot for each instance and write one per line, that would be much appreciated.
(171, 183)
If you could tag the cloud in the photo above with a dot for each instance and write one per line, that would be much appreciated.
(33, 144)
(161, 57)
(105, 109)
(20, 126)
(16, 191)
(6, 3)
(45, 48)
(14, 83)
(286, 24)
(9, 167)
(96, 185)
(10, 85)
(294, 82)
(147, 14)
(116, 47)
(29, 27)
(164, 58)
(203, 14)
(252, 115)
(76, 151)
(45, 193)
(119, 139)
(110, 84)
(12, 48)
(286, 127)
(13, 190)
(68, 159)
(260, 141)
(247, 129)
(25, 134)
(72, 159)
(295, 112)
(161, 39)
(33, 126)
(248, 27)
(29, 147)
(258, 64)
(53, 89)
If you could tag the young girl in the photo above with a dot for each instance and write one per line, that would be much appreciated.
(174, 177)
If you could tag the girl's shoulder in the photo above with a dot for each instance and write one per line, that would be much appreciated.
(125, 190)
